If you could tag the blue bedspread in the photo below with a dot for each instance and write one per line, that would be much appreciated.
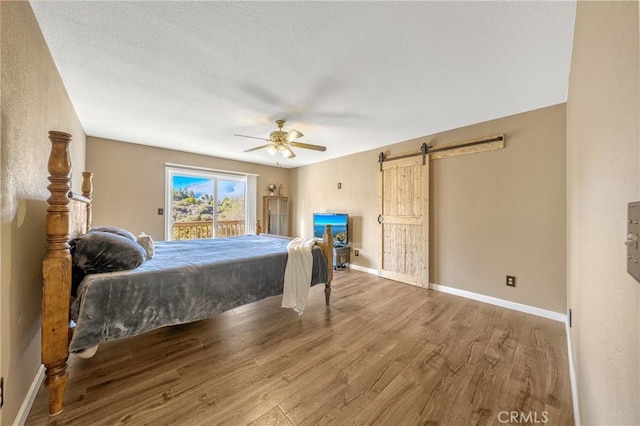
(185, 281)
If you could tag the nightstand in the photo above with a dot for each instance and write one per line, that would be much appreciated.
(341, 256)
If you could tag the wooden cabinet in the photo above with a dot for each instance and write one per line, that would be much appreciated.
(275, 215)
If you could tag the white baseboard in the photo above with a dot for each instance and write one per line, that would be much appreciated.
(544, 313)
(363, 269)
(21, 417)
(572, 377)
(556, 316)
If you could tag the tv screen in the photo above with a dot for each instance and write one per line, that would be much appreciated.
(339, 226)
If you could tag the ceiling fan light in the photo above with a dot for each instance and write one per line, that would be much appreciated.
(272, 150)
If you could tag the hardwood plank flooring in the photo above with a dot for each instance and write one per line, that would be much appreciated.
(382, 353)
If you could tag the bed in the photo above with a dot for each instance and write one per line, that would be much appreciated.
(185, 281)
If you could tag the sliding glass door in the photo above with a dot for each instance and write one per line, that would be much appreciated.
(230, 212)
(205, 205)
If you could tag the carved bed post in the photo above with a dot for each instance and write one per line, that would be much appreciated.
(258, 228)
(87, 192)
(56, 272)
(327, 247)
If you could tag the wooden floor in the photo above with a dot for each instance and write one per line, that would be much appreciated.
(382, 353)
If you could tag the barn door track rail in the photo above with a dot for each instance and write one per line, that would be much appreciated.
(471, 146)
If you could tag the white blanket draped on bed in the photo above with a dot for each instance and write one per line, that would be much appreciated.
(297, 274)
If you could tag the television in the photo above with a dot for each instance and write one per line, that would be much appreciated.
(339, 227)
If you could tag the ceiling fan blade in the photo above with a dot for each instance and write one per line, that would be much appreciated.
(292, 135)
(258, 147)
(287, 152)
(308, 146)
(253, 137)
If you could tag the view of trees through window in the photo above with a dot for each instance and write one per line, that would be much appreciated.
(216, 202)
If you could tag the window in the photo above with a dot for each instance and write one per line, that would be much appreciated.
(206, 203)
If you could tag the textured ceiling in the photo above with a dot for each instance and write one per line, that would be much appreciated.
(350, 75)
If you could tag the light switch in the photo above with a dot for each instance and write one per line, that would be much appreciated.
(632, 242)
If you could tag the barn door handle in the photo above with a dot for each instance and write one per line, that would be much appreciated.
(380, 219)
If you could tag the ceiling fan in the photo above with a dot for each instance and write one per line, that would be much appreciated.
(282, 141)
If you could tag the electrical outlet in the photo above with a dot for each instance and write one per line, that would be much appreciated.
(160, 212)
(1, 391)
(356, 252)
(511, 281)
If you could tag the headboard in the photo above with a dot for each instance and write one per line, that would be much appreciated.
(68, 215)
(80, 213)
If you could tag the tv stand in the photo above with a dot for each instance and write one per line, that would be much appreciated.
(341, 255)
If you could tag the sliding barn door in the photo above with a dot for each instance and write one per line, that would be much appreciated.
(403, 203)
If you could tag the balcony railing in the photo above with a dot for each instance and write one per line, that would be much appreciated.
(193, 230)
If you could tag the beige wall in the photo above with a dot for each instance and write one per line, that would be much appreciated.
(315, 190)
(602, 170)
(34, 101)
(492, 214)
(129, 182)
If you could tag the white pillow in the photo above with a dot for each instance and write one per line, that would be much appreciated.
(147, 243)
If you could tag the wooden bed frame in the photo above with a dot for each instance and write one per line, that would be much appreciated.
(68, 216)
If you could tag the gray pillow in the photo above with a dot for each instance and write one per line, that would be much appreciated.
(114, 230)
(97, 252)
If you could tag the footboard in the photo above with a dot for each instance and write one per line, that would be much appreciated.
(327, 250)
